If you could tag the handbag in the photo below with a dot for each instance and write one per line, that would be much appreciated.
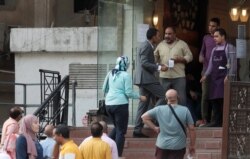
(101, 105)
(177, 118)
(102, 108)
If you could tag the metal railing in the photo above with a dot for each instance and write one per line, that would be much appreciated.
(54, 110)
(50, 79)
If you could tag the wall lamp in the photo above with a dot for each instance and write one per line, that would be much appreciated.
(155, 19)
(236, 13)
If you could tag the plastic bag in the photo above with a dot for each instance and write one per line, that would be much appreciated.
(4, 155)
(189, 156)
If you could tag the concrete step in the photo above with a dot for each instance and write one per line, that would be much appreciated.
(149, 143)
(208, 143)
(200, 132)
(150, 154)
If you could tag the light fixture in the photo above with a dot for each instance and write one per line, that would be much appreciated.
(234, 14)
(244, 15)
(237, 13)
(155, 19)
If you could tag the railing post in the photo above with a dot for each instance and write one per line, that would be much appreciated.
(74, 84)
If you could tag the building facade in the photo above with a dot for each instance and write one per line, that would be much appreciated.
(66, 36)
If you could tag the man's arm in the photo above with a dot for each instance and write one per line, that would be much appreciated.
(187, 55)
(192, 136)
(148, 121)
(202, 52)
(145, 54)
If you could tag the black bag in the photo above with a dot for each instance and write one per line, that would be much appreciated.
(102, 108)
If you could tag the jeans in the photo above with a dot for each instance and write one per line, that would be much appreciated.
(119, 116)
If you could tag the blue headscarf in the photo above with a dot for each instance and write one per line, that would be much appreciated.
(122, 64)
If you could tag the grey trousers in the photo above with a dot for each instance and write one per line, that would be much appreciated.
(179, 84)
(151, 91)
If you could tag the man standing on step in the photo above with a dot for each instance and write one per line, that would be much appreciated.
(95, 148)
(145, 77)
(173, 120)
(105, 138)
(68, 149)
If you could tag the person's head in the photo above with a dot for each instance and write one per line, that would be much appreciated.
(29, 125)
(172, 96)
(170, 35)
(61, 133)
(96, 129)
(214, 24)
(220, 36)
(153, 35)
(104, 125)
(122, 63)
(49, 130)
(16, 113)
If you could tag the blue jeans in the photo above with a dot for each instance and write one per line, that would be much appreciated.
(119, 116)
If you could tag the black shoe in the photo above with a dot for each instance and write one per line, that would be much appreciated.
(139, 135)
(213, 124)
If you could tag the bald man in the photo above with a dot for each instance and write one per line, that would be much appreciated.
(49, 143)
(171, 139)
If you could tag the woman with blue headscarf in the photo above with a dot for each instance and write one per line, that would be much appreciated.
(118, 89)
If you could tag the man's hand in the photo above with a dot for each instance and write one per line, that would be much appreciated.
(191, 150)
(193, 95)
(157, 129)
(164, 68)
(203, 78)
(179, 59)
(143, 98)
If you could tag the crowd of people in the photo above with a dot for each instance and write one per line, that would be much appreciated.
(179, 104)
(19, 140)
(189, 103)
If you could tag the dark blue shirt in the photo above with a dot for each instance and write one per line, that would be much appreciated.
(21, 148)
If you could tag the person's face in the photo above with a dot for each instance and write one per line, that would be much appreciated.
(19, 117)
(218, 38)
(169, 35)
(35, 126)
(157, 38)
(212, 27)
(56, 137)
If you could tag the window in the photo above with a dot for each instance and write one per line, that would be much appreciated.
(80, 5)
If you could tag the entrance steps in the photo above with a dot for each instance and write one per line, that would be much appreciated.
(208, 143)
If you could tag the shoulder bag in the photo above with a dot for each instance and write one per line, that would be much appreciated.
(177, 118)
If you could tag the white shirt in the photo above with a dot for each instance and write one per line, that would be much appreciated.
(48, 146)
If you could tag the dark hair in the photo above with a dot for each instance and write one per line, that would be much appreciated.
(62, 130)
(172, 27)
(222, 32)
(96, 129)
(151, 33)
(215, 20)
(15, 112)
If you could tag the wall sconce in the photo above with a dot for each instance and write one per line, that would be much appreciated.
(244, 15)
(236, 13)
(155, 19)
